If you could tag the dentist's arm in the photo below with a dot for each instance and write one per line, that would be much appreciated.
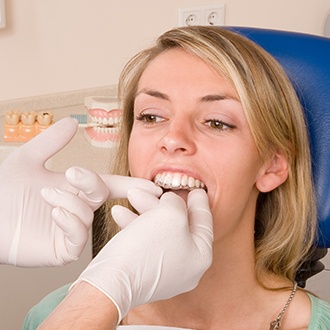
(85, 307)
(159, 254)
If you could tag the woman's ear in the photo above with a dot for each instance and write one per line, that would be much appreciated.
(273, 174)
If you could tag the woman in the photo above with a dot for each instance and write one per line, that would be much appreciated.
(206, 108)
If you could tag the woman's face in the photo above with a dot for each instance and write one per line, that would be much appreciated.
(190, 131)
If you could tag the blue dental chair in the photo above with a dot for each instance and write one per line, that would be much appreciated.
(306, 60)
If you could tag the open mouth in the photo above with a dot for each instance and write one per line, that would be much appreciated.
(178, 181)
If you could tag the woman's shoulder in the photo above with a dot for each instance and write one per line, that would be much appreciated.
(320, 317)
(40, 311)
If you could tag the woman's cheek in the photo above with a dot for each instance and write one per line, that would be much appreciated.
(134, 159)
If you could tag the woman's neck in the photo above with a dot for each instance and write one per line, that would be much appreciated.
(229, 282)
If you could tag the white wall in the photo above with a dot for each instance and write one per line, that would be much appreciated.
(53, 46)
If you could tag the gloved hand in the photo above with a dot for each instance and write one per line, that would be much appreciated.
(28, 235)
(74, 207)
(159, 254)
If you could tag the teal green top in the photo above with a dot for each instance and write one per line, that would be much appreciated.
(40, 311)
(320, 318)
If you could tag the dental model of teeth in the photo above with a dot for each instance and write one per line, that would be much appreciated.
(22, 127)
(104, 121)
(176, 181)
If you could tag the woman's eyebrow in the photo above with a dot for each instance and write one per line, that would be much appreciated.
(154, 93)
(217, 97)
(206, 98)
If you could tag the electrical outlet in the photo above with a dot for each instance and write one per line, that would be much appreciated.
(202, 15)
(214, 15)
(189, 16)
(2, 14)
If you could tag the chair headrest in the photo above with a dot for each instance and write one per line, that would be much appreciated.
(306, 60)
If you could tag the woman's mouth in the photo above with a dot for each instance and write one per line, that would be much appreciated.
(177, 181)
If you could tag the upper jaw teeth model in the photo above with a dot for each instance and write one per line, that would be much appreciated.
(104, 120)
(176, 181)
(21, 127)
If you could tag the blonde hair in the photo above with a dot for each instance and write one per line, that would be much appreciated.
(286, 216)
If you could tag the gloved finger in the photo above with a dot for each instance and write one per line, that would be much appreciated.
(50, 141)
(75, 232)
(200, 219)
(119, 185)
(122, 216)
(173, 200)
(91, 187)
(72, 203)
(142, 200)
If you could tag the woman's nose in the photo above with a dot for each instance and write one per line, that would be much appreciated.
(178, 139)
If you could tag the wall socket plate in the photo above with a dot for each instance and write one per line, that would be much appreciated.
(207, 15)
(2, 14)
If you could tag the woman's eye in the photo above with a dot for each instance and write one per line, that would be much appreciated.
(149, 118)
(218, 124)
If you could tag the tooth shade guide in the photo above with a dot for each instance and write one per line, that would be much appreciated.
(28, 125)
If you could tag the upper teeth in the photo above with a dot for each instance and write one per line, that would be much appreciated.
(169, 180)
(107, 122)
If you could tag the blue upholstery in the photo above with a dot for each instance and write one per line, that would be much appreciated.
(306, 60)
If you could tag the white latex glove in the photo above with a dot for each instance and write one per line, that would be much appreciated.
(162, 253)
(74, 208)
(28, 235)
